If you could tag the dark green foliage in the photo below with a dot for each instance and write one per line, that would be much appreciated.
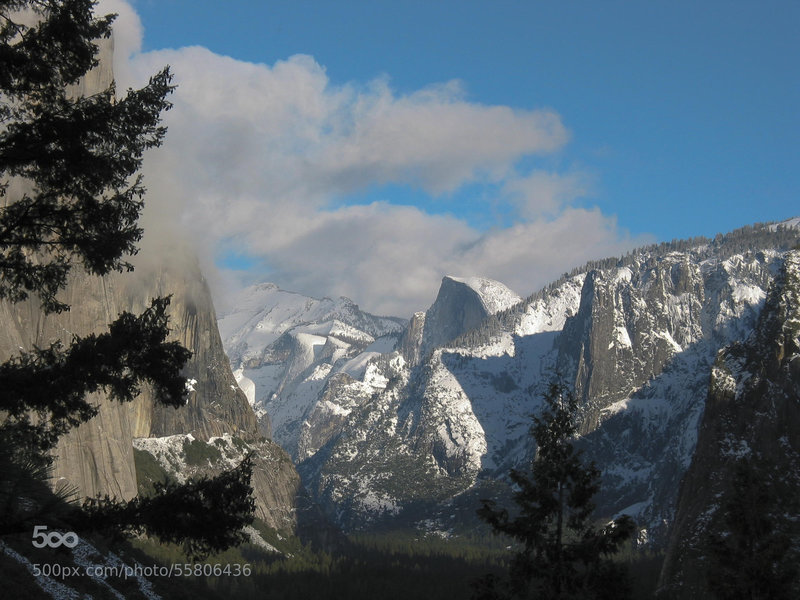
(148, 472)
(26, 500)
(749, 555)
(56, 53)
(52, 383)
(197, 452)
(391, 566)
(70, 194)
(78, 154)
(205, 515)
(563, 554)
(382, 572)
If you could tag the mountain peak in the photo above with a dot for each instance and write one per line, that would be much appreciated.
(494, 296)
(461, 305)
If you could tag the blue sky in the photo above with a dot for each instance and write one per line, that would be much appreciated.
(671, 119)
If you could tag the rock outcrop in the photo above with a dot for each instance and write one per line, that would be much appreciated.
(461, 305)
(752, 411)
(289, 349)
(97, 458)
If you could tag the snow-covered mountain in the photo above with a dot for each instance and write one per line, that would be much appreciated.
(285, 346)
(420, 422)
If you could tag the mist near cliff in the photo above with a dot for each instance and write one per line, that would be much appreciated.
(261, 165)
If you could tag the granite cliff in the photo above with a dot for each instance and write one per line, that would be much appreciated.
(752, 412)
(97, 458)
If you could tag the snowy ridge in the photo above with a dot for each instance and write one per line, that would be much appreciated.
(751, 412)
(284, 348)
(182, 456)
(793, 222)
(494, 295)
(463, 405)
(379, 427)
(264, 312)
(551, 314)
(658, 324)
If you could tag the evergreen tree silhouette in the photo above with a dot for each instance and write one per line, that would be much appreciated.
(563, 555)
(71, 195)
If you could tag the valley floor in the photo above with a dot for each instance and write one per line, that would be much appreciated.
(390, 565)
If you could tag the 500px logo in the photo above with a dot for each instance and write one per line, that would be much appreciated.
(54, 539)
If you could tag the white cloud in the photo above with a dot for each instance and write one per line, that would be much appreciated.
(392, 258)
(543, 192)
(260, 155)
(127, 35)
(307, 136)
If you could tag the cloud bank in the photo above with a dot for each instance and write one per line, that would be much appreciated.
(265, 160)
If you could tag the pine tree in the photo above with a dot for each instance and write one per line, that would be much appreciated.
(563, 554)
(750, 556)
(71, 195)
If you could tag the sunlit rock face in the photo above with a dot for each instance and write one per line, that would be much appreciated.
(97, 458)
(287, 348)
(461, 305)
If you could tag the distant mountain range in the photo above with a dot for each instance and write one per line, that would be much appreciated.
(396, 423)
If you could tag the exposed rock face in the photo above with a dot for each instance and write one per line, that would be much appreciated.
(752, 410)
(411, 342)
(97, 458)
(632, 323)
(639, 351)
(182, 456)
(462, 305)
(216, 405)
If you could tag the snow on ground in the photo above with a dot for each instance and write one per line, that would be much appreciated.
(255, 538)
(336, 328)
(264, 312)
(623, 274)
(750, 294)
(621, 337)
(246, 384)
(550, 312)
(356, 367)
(383, 345)
(94, 564)
(48, 584)
(667, 337)
(793, 222)
(374, 378)
(168, 451)
(654, 410)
